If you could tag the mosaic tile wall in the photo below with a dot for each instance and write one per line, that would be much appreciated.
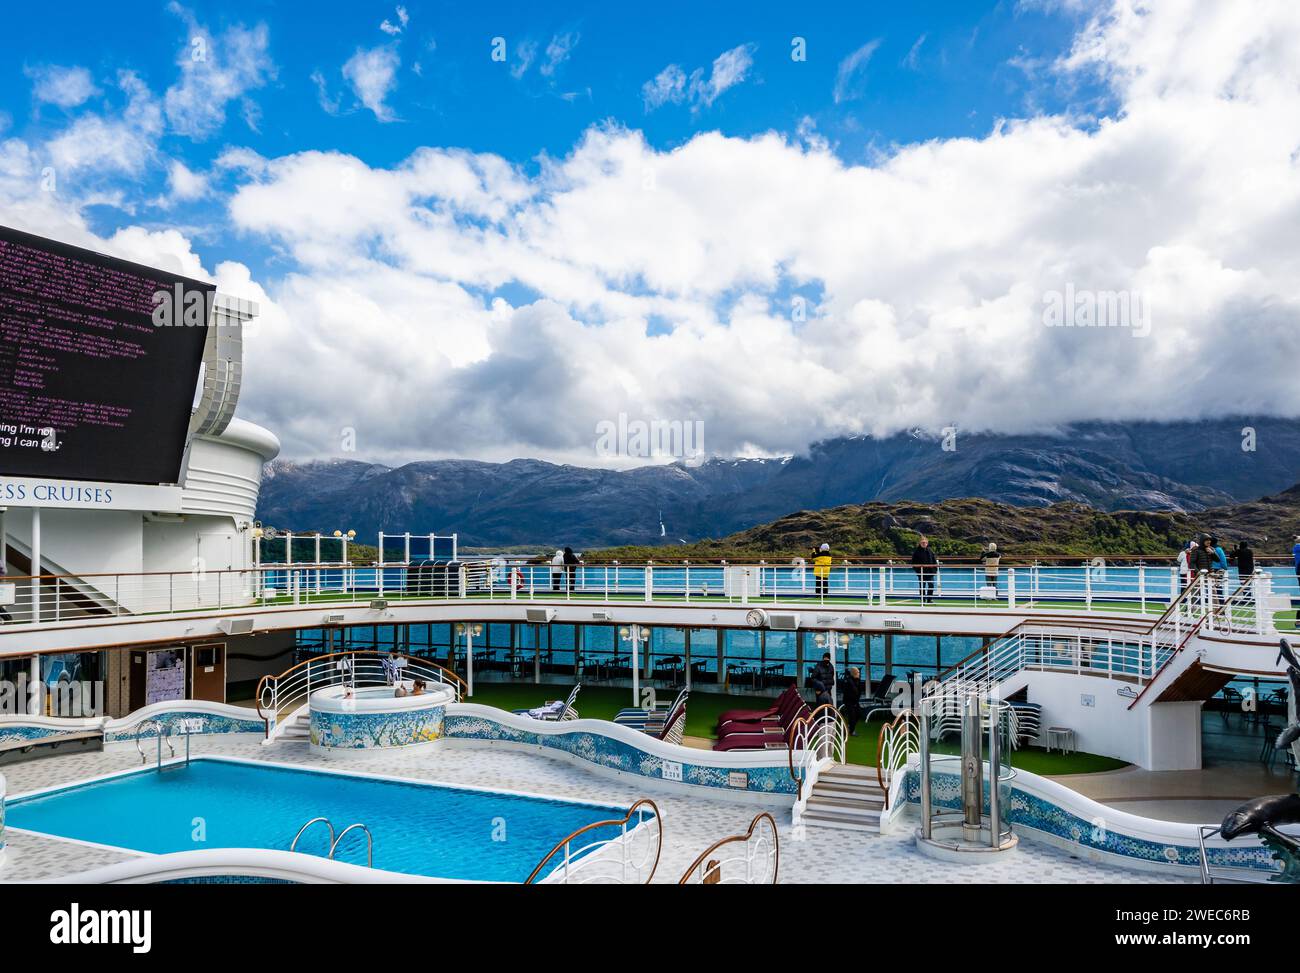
(605, 751)
(368, 731)
(1031, 811)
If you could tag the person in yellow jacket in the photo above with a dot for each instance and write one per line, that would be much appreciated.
(821, 559)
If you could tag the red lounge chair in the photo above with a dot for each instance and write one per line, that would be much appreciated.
(788, 706)
(757, 714)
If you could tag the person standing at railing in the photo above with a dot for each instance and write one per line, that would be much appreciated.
(557, 570)
(821, 559)
(1295, 556)
(991, 559)
(571, 562)
(926, 565)
(1185, 563)
(1245, 559)
(1220, 570)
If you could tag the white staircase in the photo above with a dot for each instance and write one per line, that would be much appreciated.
(294, 728)
(846, 796)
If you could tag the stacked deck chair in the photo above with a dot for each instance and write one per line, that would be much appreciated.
(770, 730)
(674, 727)
(554, 710)
(650, 720)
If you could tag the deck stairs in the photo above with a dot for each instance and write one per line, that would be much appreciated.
(846, 796)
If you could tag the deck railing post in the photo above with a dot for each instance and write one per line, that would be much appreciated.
(1142, 586)
(1087, 586)
(649, 583)
(1011, 587)
(882, 586)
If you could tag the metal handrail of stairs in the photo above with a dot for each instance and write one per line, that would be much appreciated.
(278, 696)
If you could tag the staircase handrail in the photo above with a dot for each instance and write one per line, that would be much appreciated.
(898, 740)
(760, 840)
(588, 856)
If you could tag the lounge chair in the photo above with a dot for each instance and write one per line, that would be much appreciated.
(786, 707)
(636, 717)
(554, 710)
(757, 714)
(878, 695)
(766, 740)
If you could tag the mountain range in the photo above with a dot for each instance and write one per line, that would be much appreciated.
(1147, 466)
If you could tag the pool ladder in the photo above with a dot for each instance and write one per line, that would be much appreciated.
(334, 841)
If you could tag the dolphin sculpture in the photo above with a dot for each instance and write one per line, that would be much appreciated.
(1262, 816)
(1291, 732)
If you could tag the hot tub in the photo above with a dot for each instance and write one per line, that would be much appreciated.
(374, 718)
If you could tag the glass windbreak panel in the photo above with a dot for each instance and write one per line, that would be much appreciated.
(954, 648)
(561, 656)
(704, 655)
(600, 647)
(304, 550)
(779, 663)
(743, 658)
(915, 654)
(666, 664)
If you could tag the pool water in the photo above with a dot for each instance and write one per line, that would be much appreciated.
(419, 829)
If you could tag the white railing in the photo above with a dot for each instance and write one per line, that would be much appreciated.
(280, 696)
(898, 740)
(816, 741)
(1116, 653)
(752, 858)
(628, 858)
(1138, 590)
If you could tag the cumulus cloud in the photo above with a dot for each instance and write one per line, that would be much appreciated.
(214, 71)
(671, 85)
(778, 292)
(66, 87)
(373, 76)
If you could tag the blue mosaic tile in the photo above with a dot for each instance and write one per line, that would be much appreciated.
(603, 751)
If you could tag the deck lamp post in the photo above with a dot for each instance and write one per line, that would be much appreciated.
(469, 631)
(836, 641)
(345, 536)
(635, 634)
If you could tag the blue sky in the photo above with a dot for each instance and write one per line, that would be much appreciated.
(656, 212)
(932, 70)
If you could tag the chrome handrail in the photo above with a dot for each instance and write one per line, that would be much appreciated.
(293, 845)
(370, 843)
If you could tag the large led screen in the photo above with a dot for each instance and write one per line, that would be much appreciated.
(99, 359)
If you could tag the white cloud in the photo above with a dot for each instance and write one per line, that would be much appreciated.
(122, 143)
(671, 85)
(525, 55)
(393, 29)
(849, 80)
(559, 50)
(184, 184)
(373, 76)
(66, 87)
(215, 70)
(926, 268)
(913, 58)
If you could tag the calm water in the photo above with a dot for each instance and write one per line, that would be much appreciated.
(419, 829)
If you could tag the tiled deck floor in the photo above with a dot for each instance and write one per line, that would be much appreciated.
(690, 824)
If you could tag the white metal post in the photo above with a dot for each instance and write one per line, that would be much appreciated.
(469, 659)
(636, 664)
(288, 547)
(36, 564)
(1011, 587)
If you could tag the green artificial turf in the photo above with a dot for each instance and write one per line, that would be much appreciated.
(602, 702)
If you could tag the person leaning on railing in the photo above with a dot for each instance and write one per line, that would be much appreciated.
(925, 564)
(821, 559)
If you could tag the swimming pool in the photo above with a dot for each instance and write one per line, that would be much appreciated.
(418, 828)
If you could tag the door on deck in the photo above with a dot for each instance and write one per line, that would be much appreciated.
(208, 679)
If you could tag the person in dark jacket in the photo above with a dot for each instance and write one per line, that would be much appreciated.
(823, 678)
(1202, 558)
(925, 564)
(1245, 558)
(852, 708)
(571, 562)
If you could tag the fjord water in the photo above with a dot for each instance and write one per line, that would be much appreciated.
(419, 829)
